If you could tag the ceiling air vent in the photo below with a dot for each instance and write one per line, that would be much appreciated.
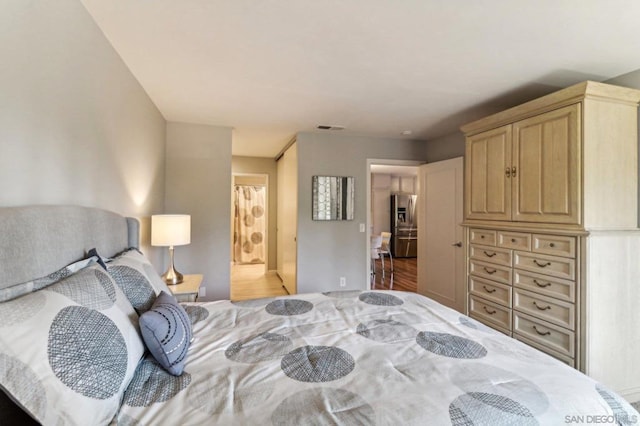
(328, 127)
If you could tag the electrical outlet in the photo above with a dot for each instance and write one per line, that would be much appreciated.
(202, 292)
(343, 281)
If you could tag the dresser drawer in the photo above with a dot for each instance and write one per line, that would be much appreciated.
(501, 274)
(544, 333)
(482, 236)
(556, 245)
(546, 285)
(489, 290)
(560, 267)
(546, 308)
(491, 255)
(514, 240)
(490, 313)
(571, 362)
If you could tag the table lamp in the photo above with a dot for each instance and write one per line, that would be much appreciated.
(169, 230)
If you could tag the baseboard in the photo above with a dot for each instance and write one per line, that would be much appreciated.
(631, 394)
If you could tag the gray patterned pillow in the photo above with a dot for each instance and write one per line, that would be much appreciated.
(69, 351)
(166, 330)
(137, 278)
(21, 289)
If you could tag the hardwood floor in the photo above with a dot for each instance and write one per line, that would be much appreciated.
(250, 281)
(405, 274)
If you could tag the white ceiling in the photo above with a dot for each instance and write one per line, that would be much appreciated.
(271, 68)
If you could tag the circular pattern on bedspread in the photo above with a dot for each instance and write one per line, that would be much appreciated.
(380, 299)
(262, 347)
(386, 331)
(480, 408)
(87, 352)
(135, 286)
(323, 406)
(21, 309)
(479, 377)
(618, 406)
(151, 384)
(92, 289)
(196, 313)
(289, 307)
(22, 382)
(450, 345)
(317, 364)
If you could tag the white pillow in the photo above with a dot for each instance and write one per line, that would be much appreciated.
(137, 278)
(69, 351)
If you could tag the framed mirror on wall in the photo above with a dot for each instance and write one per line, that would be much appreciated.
(333, 197)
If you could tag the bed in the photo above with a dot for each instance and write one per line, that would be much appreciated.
(73, 349)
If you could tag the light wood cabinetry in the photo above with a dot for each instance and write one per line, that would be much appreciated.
(527, 171)
(551, 191)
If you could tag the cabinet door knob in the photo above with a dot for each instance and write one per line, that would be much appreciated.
(458, 244)
(507, 172)
(513, 172)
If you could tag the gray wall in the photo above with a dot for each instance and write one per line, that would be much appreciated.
(199, 183)
(75, 125)
(445, 147)
(263, 166)
(632, 80)
(333, 249)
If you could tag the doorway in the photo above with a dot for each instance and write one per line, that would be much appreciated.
(250, 275)
(392, 201)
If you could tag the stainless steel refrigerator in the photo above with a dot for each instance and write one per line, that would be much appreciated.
(404, 225)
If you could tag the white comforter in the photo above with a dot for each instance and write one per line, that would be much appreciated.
(360, 358)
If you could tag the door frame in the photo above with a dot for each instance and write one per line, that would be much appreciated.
(265, 176)
(367, 230)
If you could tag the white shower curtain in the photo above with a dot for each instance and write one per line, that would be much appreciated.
(249, 224)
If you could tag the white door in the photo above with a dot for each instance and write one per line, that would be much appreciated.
(441, 274)
(288, 218)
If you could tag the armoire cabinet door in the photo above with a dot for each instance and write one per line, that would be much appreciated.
(488, 157)
(546, 168)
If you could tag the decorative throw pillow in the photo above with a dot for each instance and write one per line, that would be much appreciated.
(137, 278)
(69, 351)
(18, 290)
(166, 330)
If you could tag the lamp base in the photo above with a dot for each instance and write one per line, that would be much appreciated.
(172, 277)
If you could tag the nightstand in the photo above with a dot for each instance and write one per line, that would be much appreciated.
(187, 290)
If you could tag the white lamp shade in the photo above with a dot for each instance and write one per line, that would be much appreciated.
(170, 229)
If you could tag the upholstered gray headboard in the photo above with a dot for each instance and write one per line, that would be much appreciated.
(38, 240)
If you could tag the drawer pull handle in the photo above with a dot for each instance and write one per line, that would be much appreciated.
(539, 284)
(488, 311)
(546, 333)
(542, 265)
(482, 237)
(542, 308)
(489, 290)
(489, 254)
(489, 271)
(513, 240)
(552, 245)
